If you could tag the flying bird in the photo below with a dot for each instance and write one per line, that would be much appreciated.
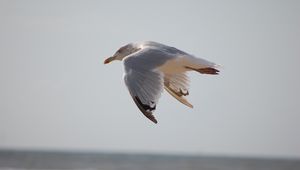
(151, 67)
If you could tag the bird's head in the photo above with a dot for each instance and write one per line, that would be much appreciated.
(122, 53)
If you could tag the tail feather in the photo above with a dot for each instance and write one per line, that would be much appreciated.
(206, 70)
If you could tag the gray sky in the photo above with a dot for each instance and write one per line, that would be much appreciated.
(57, 94)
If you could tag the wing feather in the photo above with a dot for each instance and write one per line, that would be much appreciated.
(143, 80)
(145, 87)
(177, 85)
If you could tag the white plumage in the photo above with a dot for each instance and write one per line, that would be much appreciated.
(151, 67)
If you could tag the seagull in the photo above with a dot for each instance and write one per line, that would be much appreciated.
(151, 67)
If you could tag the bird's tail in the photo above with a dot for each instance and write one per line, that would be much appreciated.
(202, 66)
(205, 70)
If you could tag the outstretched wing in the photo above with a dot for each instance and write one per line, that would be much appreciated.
(145, 87)
(177, 85)
(144, 80)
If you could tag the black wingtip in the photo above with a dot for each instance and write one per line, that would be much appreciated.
(153, 119)
(145, 109)
(150, 116)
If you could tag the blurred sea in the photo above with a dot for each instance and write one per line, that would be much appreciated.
(42, 160)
